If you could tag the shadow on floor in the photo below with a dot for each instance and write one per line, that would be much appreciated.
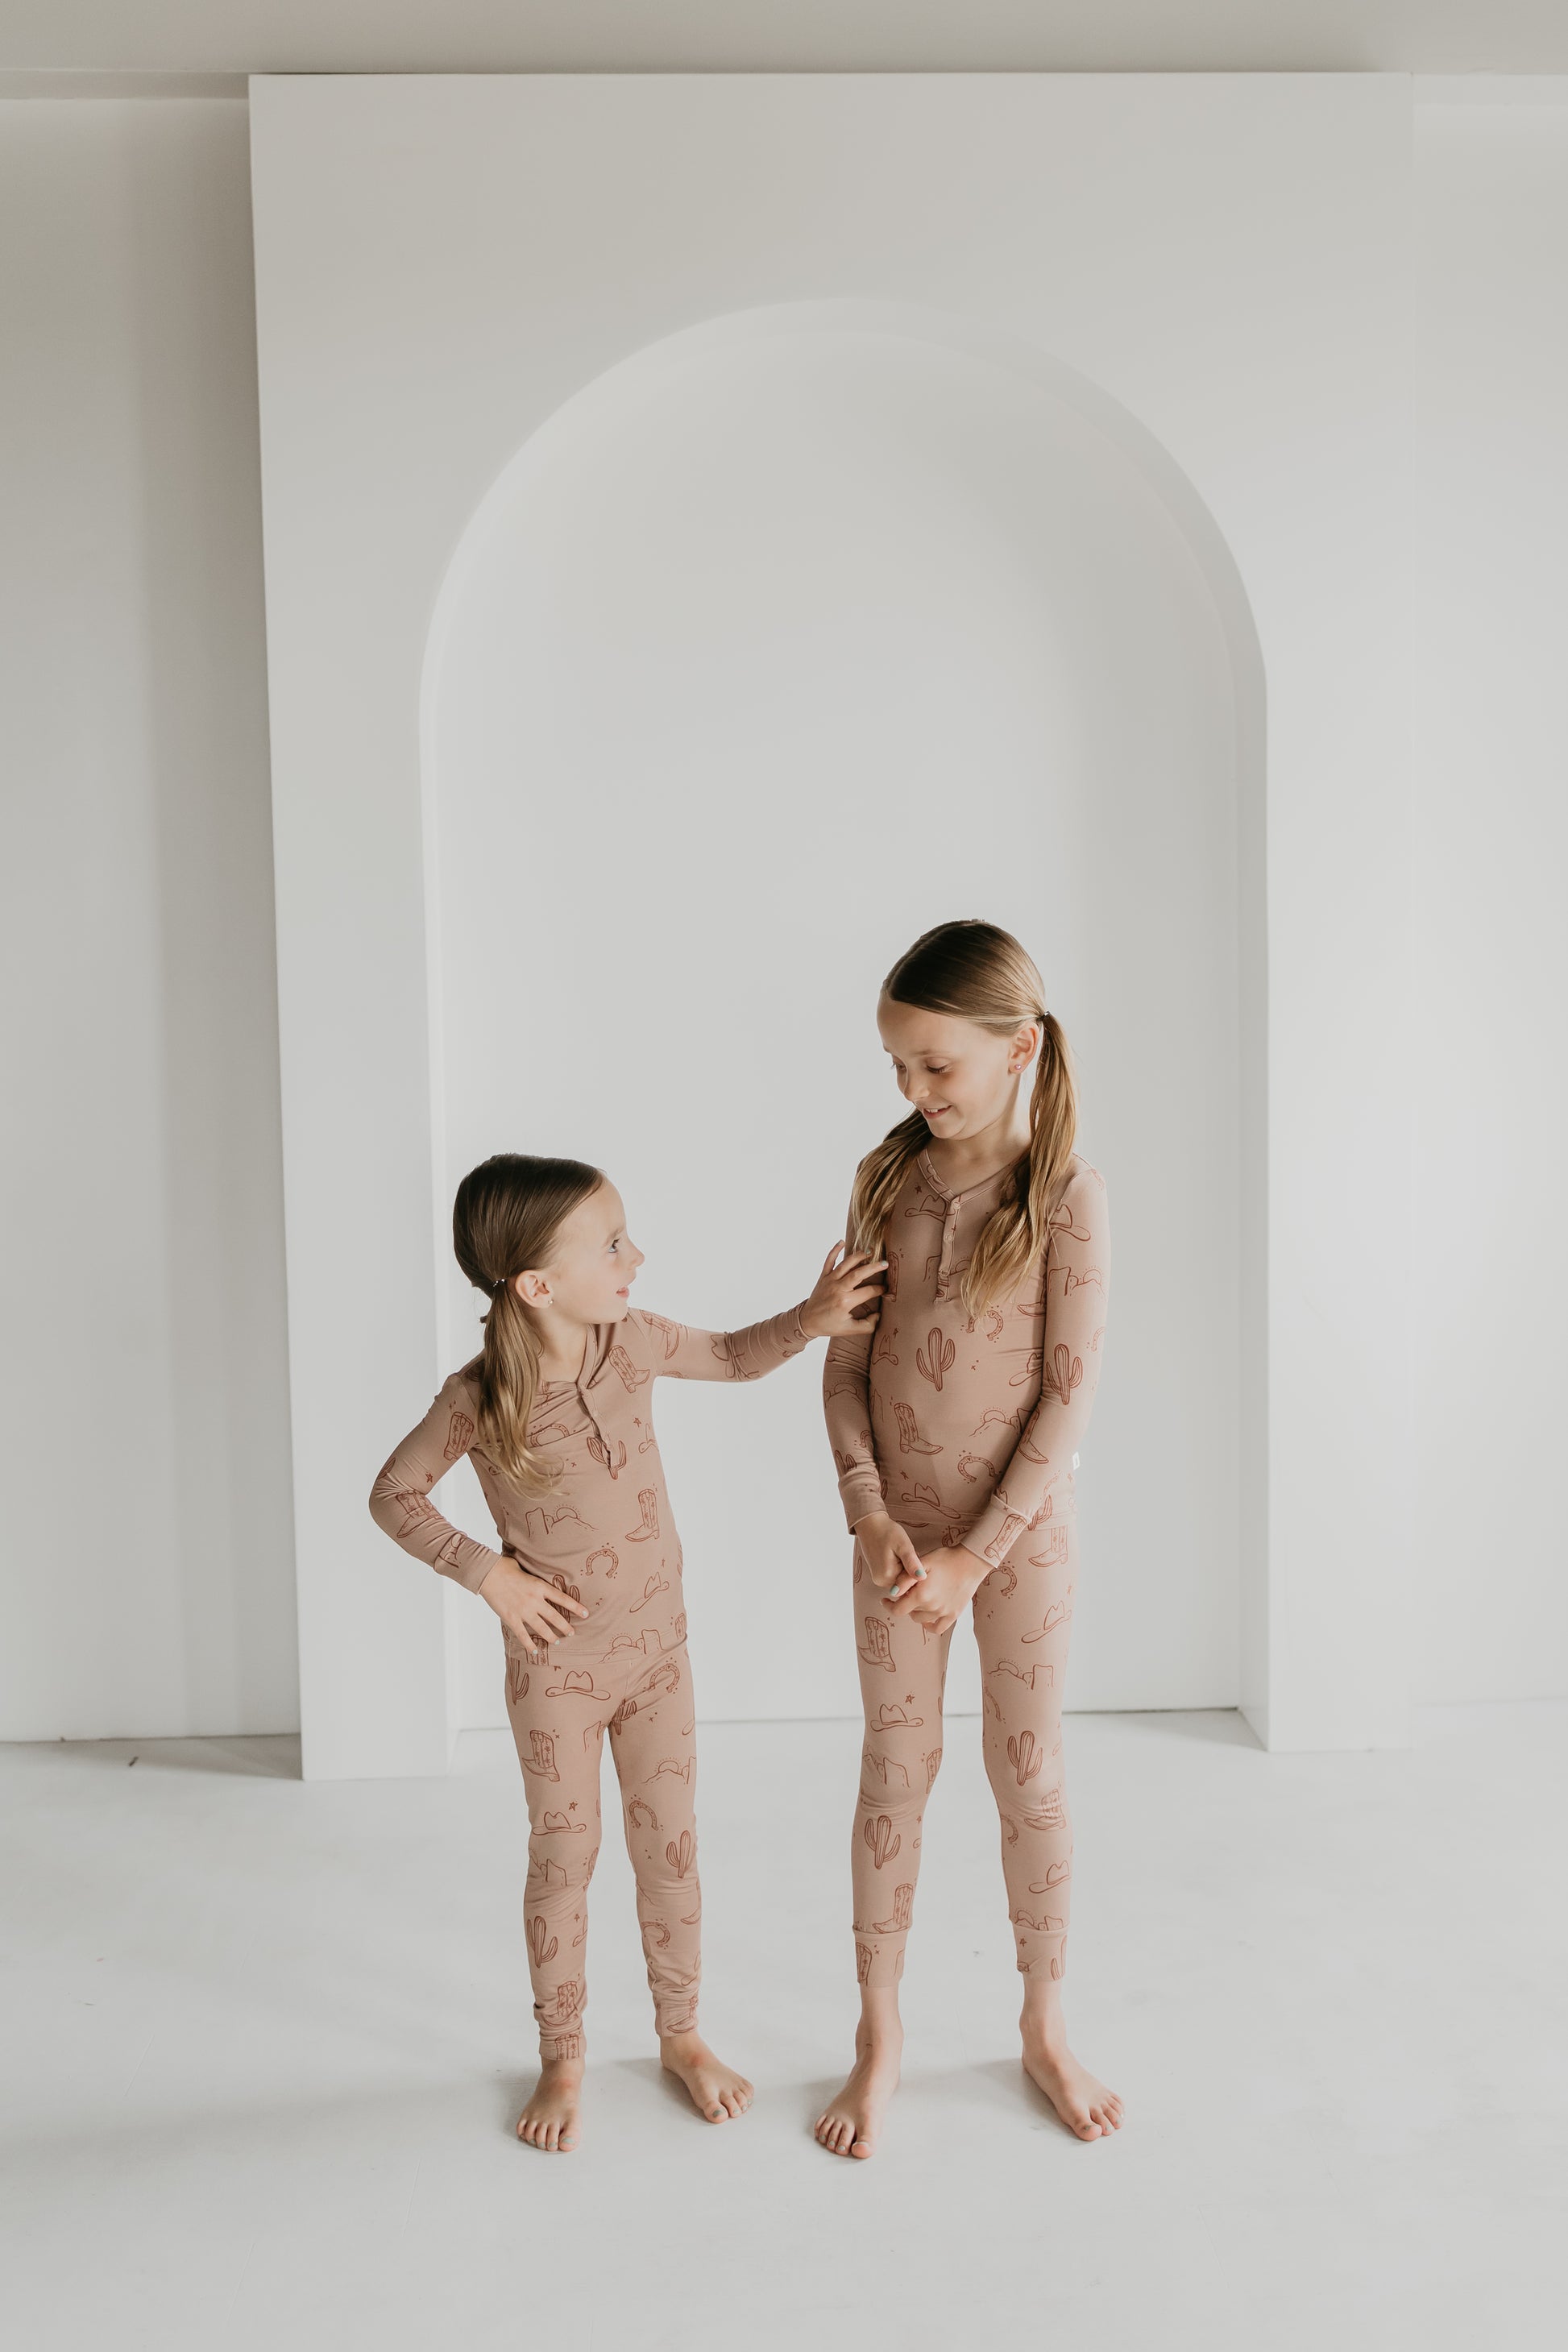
(273, 1756)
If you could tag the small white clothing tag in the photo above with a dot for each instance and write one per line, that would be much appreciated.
(1075, 1461)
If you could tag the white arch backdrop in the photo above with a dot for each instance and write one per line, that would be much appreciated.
(788, 635)
(445, 265)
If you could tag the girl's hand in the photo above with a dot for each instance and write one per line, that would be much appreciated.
(952, 1578)
(889, 1552)
(535, 1612)
(848, 1296)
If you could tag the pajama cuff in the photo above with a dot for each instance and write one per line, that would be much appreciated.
(860, 1491)
(466, 1561)
(995, 1533)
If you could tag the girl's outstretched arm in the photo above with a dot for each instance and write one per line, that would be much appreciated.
(1077, 1276)
(400, 1499)
(685, 1354)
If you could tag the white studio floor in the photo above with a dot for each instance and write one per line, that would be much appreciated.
(264, 2045)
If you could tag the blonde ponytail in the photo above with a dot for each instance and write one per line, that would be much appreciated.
(1018, 1231)
(505, 1217)
(979, 973)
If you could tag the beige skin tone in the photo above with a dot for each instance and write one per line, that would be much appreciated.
(588, 1280)
(971, 1084)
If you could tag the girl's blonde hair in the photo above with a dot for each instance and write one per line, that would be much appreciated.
(979, 973)
(507, 1213)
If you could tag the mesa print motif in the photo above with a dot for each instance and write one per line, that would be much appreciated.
(965, 1429)
(623, 1669)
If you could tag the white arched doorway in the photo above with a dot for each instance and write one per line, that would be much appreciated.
(790, 635)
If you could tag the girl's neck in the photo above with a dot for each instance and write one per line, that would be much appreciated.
(968, 1159)
(563, 1347)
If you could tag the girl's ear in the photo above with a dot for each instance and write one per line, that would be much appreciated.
(1025, 1044)
(534, 1289)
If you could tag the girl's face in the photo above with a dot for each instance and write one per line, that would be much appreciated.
(959, 1077)
(592, 1263)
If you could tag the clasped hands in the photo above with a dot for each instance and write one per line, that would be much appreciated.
(934, 1590)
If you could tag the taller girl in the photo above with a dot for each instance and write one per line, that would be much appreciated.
(956, 1426)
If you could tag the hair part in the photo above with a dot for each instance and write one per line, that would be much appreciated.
(976, 972)
(506, 1215)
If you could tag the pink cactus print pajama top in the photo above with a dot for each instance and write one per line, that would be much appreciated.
(966, 1429)
(606, 1534)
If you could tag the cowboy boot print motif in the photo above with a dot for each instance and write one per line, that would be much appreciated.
(648, 1527)
(878, 1647)
(910, 1438)
(903, 1907)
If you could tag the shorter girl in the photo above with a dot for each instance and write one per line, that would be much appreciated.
(557, 1415)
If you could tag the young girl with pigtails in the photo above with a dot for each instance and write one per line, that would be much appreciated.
(556, 1416)
(955, 1414)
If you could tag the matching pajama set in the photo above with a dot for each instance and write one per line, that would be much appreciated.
(966, 1429)
(603, 1533)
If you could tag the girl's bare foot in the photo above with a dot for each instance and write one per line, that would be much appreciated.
(550, 2119)
(850, 2124)
(716, 2091)
(1082, 2101)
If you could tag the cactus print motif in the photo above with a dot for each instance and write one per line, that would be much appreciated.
(1011, 1411)
(623, 1669)
(614, 1463)
(880, 1836)
(935, 1358)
